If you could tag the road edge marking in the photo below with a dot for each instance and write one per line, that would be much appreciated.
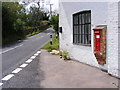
(17, 70)
(23, 65)
(11, 49)
(29, 61)
(6, 78)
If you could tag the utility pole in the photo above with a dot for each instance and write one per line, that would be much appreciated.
(42, 4)
(50, 10)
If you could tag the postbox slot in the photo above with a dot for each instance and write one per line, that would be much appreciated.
(97, 31)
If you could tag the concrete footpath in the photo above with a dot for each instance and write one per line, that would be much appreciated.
(58, 73)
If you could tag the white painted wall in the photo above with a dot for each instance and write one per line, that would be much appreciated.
(112, 38)
(119, 39)
(99, 16)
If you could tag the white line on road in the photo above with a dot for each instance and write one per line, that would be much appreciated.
(38, 52)
(1, 84)
(33, 57)
(8, 77)
(17, 70)
(29, 60)
(11, 49)
(23, 65)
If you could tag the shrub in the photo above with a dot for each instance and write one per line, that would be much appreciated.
(60, 53)
(65, 55)
(45, 22)
(55, 44)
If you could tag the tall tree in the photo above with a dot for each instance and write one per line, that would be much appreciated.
(11, 19)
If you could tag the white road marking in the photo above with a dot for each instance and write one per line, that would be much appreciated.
(11, 49)
(29, 60)
(17, 70)
(23, 65)
(1, 84)
(33, 57)
(8, 77)
(38, 52)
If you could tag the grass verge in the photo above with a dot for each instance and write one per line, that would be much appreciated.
(55, 44)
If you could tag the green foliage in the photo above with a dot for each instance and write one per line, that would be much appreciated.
(36, 32)
(15, 21)
(45, 22)
(65, 55)
(55, 45)
(60, 53)
(55, 22)
(35, 16)
(11, 21)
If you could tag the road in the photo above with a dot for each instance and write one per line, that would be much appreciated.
(15, 54)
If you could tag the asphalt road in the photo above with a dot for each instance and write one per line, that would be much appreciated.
(15, 54)
(30, 77)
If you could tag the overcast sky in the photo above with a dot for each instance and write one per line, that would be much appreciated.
(46, 2)
(55, 2)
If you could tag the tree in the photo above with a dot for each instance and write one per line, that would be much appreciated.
(55, 22)
(35, 16)
(15, 20)
(12, 20)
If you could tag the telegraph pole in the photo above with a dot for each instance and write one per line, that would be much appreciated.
(50, 10)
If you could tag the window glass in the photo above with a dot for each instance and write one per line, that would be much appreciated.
(80, 19)
(82, 28)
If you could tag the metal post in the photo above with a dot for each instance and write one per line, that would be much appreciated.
(51, 40)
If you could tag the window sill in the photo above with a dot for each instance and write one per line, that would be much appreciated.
(83, 44)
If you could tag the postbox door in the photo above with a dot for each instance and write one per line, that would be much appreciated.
(97, 42)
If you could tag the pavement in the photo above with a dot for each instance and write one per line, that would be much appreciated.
(49, 71)
(72, 74)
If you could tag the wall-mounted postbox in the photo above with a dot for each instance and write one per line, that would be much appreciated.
(100, 44)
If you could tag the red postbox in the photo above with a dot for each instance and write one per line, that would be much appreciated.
(100, 44)
(97, 40)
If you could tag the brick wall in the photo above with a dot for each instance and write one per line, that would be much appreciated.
(112, 38)
(84, 54)
(119, 39)
(102, 14)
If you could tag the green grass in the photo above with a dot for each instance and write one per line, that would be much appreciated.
(55, 44)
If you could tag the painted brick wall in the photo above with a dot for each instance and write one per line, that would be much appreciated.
(119, 38)
(83, 54)
(101, 14)
(112, 38)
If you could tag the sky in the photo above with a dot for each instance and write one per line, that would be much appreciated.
(46, 4)
(55, 4)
